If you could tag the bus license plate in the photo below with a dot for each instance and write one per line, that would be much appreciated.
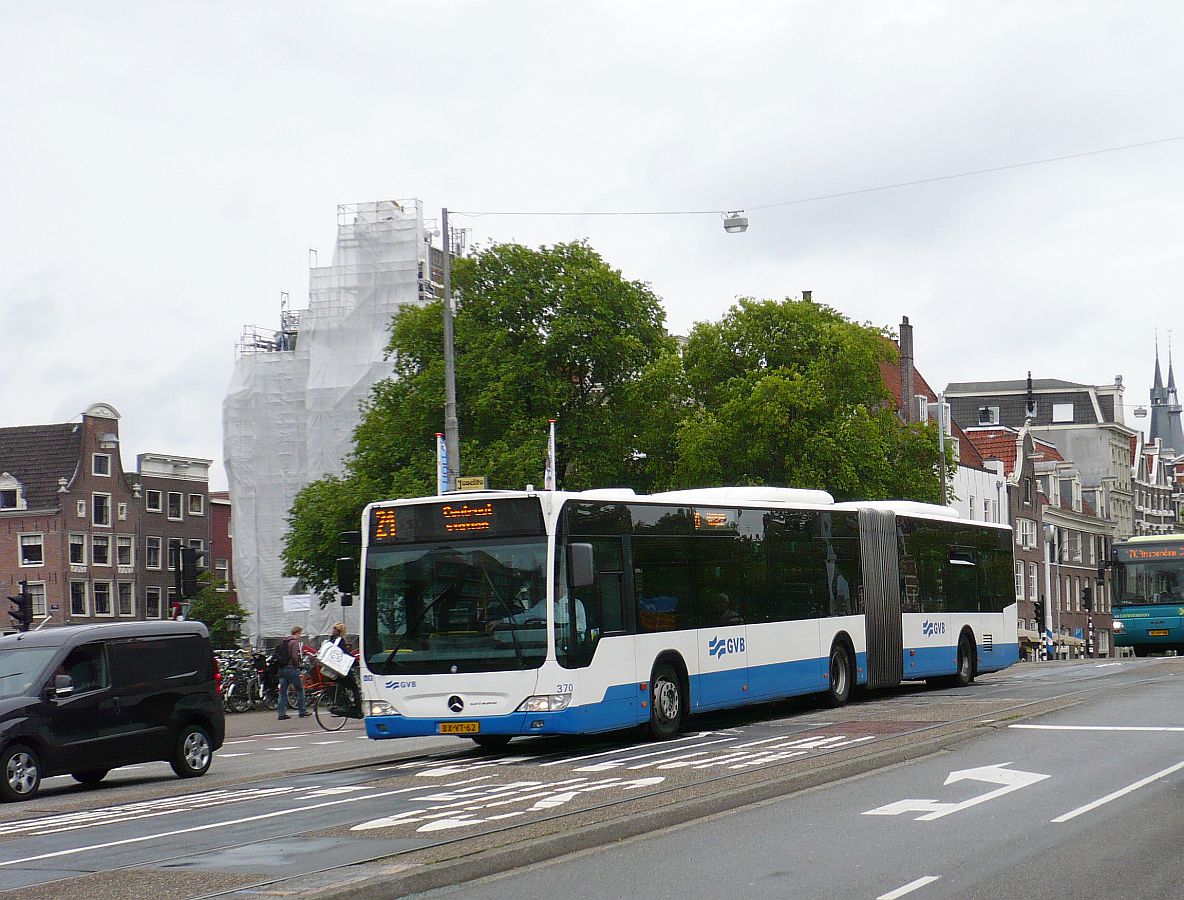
(1158, 632)
(458, 727)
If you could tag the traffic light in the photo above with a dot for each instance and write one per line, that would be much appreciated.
(1039, 616)
(22, 616)
(1087, 598)
(188, 571)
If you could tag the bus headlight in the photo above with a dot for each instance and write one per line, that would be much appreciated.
(545, 703)
(381, 708)
(1119, 628)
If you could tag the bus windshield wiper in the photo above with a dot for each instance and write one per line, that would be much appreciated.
(406, 634)
(510, 620)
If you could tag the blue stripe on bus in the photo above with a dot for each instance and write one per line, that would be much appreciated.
(621, 707)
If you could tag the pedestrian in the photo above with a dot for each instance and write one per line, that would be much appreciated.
(348, 681)
(290, 653)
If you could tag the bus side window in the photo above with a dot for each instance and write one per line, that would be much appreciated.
(611, 607)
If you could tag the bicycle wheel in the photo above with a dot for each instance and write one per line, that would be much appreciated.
(329, 708)
(237, 700)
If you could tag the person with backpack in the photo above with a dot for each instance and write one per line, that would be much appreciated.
(290, 655)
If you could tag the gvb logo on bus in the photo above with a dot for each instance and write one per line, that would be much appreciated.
(929, 629)
(719, 647)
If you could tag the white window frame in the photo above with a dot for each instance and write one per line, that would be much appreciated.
(148, 542)
(121, 512)
(76, 539)
(150, 592)
(201, 504)
(1062, 413)
(125, 542)
(180, 516)
(1019, 580)
(40, 605)
(96, 541)
(80, 509)
(129, 588)
(96, 468)
(94, 589)
(222, 574)
(34, 539)
(171, 560)
(95, 507)
(84, 593)
(148, 497)
(1033, 579)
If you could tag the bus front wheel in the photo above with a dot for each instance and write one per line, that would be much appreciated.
(666, 703)
(838, 686)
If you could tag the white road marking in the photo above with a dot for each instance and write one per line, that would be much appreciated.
(243, 741)
(617, 763)
(909, 888)
(1099, 727)
(277, 749)
(208, 827)
(1010, 779)
(1130, 788)
(323, 743)
(222, 755)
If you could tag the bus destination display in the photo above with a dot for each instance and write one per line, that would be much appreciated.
(1131, 554)
(456, 519)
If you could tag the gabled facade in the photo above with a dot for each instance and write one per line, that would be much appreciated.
(1156, 496)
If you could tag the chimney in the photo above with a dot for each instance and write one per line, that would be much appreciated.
(806, 296)
(907, 408)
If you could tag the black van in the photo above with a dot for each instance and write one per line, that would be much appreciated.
(86, 699)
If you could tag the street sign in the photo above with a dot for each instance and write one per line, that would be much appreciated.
(472, 483)
(1010, 779)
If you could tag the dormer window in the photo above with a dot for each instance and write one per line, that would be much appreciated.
(101, 464)
(12, 494)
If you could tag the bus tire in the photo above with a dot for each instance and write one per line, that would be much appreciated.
(838, 682)
(491, 741)
(964, 675)
(667, 703)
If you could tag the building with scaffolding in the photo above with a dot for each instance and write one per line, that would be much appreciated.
(293, 402)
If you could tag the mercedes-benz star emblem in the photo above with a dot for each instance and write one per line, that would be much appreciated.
(455, 703)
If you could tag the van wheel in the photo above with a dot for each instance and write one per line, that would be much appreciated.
(666, 703)
(192, 755)
(20, 773)
(90, 776)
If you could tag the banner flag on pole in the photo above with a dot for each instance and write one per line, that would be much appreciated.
(549, 472)
(441, 464)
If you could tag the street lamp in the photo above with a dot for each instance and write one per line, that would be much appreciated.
(451, 429)
(735, 222)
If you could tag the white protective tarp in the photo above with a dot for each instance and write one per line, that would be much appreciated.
(290, 411)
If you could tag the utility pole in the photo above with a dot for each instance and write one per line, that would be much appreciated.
(941, 442)
(451, 428)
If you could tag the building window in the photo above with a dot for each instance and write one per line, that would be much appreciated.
(1027, 490)
(10, 498)
(77, 549)
(127, 606)
(78, 604)
(197, 505)
(1032, 581)
(100, 509)
(80, 508)
(222, 574)
(102, 595)
(174, 553)
(1026, 535)
(32, 549)
(1062, 412)
(1019, 581)
(174, 509)
(37, 592)
(153, 501)
(124, 550)
(100, 549)
(152, 553)
(101, 464)
(197, 543)
(121, 512)
(152, 602)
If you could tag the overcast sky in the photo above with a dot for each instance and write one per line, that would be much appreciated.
(166, 166)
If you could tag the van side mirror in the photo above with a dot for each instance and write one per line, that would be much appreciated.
(63, 686)
(347, 577)
(581, 565)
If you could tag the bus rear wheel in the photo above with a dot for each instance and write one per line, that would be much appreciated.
(667, 703)
(838, 683)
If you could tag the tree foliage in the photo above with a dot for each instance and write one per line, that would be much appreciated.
(791, 393)
(219, 612)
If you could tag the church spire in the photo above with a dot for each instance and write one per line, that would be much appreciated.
(1171, 375)
(1157, 387)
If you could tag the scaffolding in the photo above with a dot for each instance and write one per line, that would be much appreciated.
(297, 392)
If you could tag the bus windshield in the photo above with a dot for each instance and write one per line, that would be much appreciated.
(1149, 581)
(474, 605)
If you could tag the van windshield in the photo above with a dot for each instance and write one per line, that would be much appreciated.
(21, 668)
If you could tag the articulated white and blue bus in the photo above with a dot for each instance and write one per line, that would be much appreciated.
(503, 613)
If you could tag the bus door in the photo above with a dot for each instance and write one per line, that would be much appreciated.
(881, 592)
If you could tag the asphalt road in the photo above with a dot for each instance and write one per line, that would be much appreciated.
(393, 817)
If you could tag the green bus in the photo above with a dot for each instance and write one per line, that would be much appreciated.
(1148, 590)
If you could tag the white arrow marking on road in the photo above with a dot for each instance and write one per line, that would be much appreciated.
(1010, 779)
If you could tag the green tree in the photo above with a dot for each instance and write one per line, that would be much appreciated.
(219, 612)
(791, 393)
(548, 333)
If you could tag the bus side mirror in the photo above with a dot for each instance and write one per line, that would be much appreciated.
(581, 565)
(347, 577)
